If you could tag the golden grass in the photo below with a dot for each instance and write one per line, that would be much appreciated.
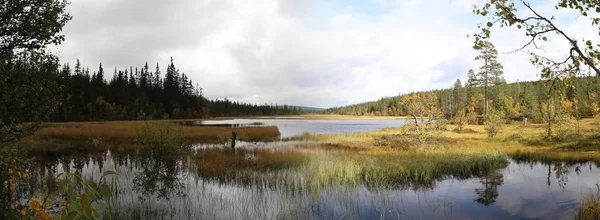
(589, 206)
(521, 142)
(348, 117)
(225, 164)
(322, 166)
(124, 131)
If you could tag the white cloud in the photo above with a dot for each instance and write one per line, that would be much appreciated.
(294, 52)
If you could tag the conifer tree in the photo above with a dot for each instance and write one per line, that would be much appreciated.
(490, 74)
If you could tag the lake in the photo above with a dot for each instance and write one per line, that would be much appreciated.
(174, 189)
(295, 126)
(151, 186)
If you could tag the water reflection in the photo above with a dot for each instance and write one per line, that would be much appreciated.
(488, 192)
(295, 127)
(157, 186)
(159, 175)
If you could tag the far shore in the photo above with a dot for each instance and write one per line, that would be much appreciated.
(312, 117)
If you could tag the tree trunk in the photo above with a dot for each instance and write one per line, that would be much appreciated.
(416, 122)
(549, 120)
(486, 86)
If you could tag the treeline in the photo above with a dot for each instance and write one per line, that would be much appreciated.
(526, 99)
(486, 90)
(142, 93)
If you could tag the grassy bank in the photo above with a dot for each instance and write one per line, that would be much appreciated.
(123, 131)
(348, 117)
(520, 142)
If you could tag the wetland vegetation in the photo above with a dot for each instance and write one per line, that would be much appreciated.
(279, 178)
(146, 146)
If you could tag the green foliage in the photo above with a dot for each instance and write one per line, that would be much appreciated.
(30, 92)
(423, 109)
(224, 139)
(140, 94)
(82, 205)
(74, 196)
(539, 28)
(460, 120)
(490, 73)
(160, 136)
(28, 78)
(527, 100)
(494, 121)
(31, 24)
(512, 109)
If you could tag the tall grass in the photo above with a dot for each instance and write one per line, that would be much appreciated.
(589, 206)
(125, 131)
(224, 164)
(321, 167)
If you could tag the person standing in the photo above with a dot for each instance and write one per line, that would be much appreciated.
(233, 140)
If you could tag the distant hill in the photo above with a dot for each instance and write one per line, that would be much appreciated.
(528, 99)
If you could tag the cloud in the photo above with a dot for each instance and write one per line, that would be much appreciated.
(293, 52)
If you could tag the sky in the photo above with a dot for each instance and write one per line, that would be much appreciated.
(319, 53)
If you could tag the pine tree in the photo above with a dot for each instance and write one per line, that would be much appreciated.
(490, 73)
(458, 96)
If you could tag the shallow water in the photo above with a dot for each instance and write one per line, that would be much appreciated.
(174, 189)
(295, 127)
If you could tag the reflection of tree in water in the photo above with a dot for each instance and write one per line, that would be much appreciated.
(561, 171)
(488, 193)
(159, 175)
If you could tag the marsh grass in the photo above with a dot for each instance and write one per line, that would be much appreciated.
(124, 131)
(242, 164)
(515, 140)
(318, 167)
(589, 206)
(424, 169)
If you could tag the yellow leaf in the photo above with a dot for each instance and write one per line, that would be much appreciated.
(10, 171)
(13, 188)
(24, 211)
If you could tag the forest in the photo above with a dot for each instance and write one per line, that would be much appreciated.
(528, 99)
(140, 93)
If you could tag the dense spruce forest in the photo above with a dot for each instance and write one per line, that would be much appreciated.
(524, 99)
(144, 93)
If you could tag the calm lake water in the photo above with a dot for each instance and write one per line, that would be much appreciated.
(295, 126)
(174, 189)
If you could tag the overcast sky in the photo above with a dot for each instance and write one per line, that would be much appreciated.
(313, 53)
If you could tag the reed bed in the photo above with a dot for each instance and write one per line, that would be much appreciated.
(322, 167)
(123, 131)
(589, 206)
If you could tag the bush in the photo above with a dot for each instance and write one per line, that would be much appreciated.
(460, 120)
(493, 122)
(160, 136)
